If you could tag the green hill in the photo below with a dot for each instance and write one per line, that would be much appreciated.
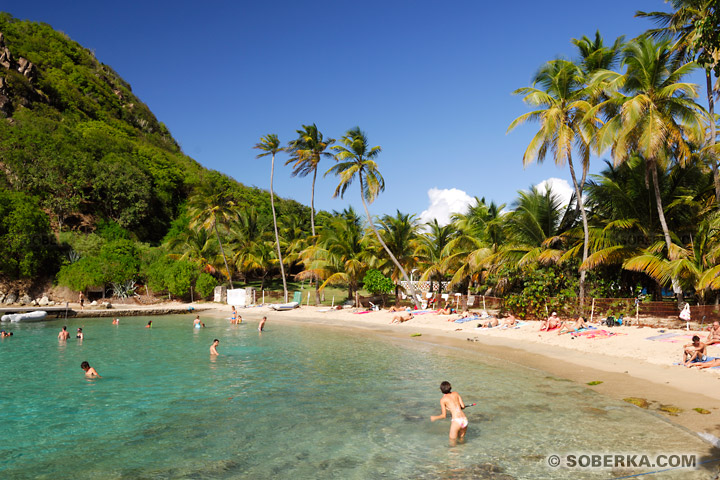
(75, 138)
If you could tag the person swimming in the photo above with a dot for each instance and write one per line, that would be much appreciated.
(213, 347)
(453, 402)
(197, 323)
(64, 334)
(79, 335)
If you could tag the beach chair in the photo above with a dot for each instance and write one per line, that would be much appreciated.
(373, 306)
(297, 297)
(471, 301)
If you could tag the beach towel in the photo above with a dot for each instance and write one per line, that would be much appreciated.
(706, 360)
(360, 313)
(467, 319)
(598, 334)
(677, 338)
(663, 336)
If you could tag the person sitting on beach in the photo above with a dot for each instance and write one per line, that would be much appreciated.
(404, 317)
(714, 335)
(569, 326)
(715, 362)
(64, 334)
(213, 347)
(79, 335)
(89, 371)
(446, 310)
(549, 324)
(452, 401)
(694, 352)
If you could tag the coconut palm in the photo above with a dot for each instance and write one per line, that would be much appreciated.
(259, 257)
(356, 160)
(340, 254)
(207, 210)
(563, 128)
(270, 145)
(305, 152)
(434, 251)
(657, 117)
(692, 25)
(400, 233)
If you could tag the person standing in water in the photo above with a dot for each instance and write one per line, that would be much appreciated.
(213, 347)
(197, 323)
(261, 327)
(453, 402)
(233, 316)
(64, 334)
(89, 371)
(80, 334)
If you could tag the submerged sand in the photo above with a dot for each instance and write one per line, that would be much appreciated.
(627, 363)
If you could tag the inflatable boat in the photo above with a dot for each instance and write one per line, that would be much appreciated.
(285, 306)
(35, 316)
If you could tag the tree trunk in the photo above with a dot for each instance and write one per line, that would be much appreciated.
(392, 257)
(711, 111)
(312, 203)
(586, 235)
(277, 237)
(217, 234)
(666, 232)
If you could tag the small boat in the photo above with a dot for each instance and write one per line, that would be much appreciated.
(285, 306)
(35, 316)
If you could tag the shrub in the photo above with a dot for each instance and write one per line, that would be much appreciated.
(205, 284)
(377, 284)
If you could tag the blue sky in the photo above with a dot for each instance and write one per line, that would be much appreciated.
(430, 82)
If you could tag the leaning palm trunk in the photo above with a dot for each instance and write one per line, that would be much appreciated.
(277, 237)
(711, 111)
(392, 257)
(312, 227)
(666, 232)
(227, 269)
(586, 235)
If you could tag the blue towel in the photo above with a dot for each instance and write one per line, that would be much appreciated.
(468, 319)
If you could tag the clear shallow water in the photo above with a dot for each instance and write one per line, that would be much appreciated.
(295, 402)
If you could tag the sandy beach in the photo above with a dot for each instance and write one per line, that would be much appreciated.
(631, 363)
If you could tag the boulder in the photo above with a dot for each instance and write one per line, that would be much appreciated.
(2, 297)
(10, 299)
(43, 301)
(50, 303)
(25, 299)
(33, 303)
(93, 303)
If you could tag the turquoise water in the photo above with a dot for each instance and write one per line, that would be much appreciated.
(294, 402)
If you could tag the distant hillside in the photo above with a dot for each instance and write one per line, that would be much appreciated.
(76, 137)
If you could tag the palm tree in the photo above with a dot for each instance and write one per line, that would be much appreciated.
(563, 103)
(693, 25)
(270, 145)
(356, 159)
(434, 251)
(400, 233)
(340, 255)
(657, 117)
(305, 154)
(207, 209)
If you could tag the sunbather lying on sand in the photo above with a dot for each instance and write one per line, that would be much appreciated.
(402, 318)
(464, 314)
(712, 363)
(714, 335)
(570, 326)
(510, 321)
(694, 352)
(395, 308)
(550, 323)
(489, 323)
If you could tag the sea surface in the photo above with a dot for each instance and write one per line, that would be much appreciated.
(297, 401)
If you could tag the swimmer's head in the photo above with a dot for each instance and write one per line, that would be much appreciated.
(216, 341)
(695, 338)
(85, 365)
(65, 327)
(445, 387)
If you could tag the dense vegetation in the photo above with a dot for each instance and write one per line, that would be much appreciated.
(152, 216)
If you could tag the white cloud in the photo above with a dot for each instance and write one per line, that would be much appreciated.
(560, 187)
(443, 203)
